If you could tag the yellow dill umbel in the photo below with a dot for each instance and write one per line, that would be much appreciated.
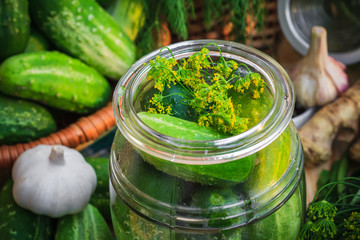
(207, 83)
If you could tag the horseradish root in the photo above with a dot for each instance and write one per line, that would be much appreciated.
(338, 120)
(318, 78)
(354, 152)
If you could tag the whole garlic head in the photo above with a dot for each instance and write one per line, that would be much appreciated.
(53, 180)
(318, 78)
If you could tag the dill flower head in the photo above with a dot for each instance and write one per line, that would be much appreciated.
(206, 83)
(306, 232)
(352, 226)
(323, 229)
(322, 210)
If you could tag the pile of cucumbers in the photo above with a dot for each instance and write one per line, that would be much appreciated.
(56, 54)
(17, 223)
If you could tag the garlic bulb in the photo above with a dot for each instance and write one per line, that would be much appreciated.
(53, 180)
(318, 78)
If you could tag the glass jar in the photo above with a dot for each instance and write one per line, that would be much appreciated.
(248, 186)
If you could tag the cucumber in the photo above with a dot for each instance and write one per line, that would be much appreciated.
(179, 128)
(22, 121)
(101, 197)
(105, 3)
(247, 107)
(37, 42)
(54, 79)
(14, 27)
(83, 29)
(209, 174)
(130, 16)
(17, 223)
(209, 197)
(271, 164)
(157, 185)
(174, 95)
(214, 204)
(86, 225)
(284, 223)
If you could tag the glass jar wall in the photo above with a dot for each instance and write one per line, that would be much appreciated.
(248, 186)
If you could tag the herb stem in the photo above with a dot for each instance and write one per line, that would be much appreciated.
(344, 197)
(221, 56)
(347, 210)
(170, 53)
(333, 184)
(179, 94)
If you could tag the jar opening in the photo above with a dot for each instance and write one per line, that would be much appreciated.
(126, 103)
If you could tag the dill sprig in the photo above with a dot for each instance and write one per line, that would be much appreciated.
(352, 226)
(175, 12)
(240, 13)
(205, 84)
(329, 218)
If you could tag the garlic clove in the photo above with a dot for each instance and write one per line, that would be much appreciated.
(335, 70)
(318, 79)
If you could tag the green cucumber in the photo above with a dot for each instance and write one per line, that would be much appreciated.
(17, 223)
(271, 164)
(83, 29)
(221, 173)
(86, 225)
(155, 184)
(248, 107)
(105, 3)
(284, 223)
(54, 79)
(179, 128)
(22, 121)
(101, 197)
(14, 27)
(37, 42)
(212, 198)
(173, 95)
(130, 16)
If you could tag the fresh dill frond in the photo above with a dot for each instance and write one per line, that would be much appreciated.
(327, 220)
(175, 12)
(202, 84)
(177, 15)
(352, 227)
(244, 15)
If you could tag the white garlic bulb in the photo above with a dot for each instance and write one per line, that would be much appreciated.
(53, 180)
(318, 78)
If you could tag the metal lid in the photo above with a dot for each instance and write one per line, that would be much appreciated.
(340, 18)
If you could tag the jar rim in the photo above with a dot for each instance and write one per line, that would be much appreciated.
(226, 149)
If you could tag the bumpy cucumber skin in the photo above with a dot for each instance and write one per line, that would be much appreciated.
(17, 223)
(83, 29)
(130, 16)
(101, 197)
(56, 80)
(22, 121)
(179, 128)
(86, 225)
(208, 174)
(14, 27)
